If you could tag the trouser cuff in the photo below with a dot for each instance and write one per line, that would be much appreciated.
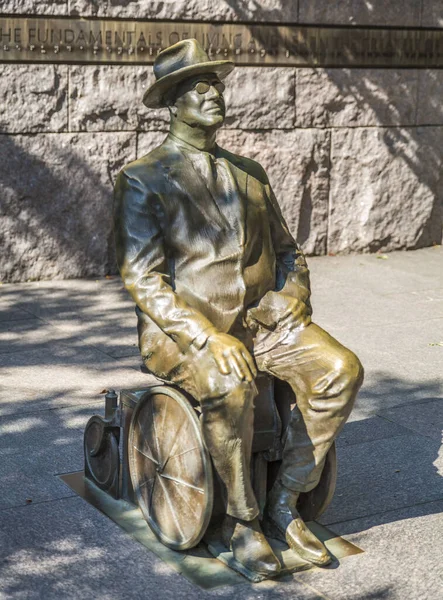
(246, 514)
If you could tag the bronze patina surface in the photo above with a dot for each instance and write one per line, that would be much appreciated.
(222, 295)
(108, 41)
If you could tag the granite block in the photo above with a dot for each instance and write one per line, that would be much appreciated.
(147, 141)
(432, 13)
(109, 98)
(297, 164)
(401, 13)
(35, 7)
(33, 98)
(57, 203)
(355, 97)
(385, 189)
(248, 93)
(207, 10)
(430, 89)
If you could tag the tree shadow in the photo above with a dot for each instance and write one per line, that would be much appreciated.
(390, 463)
(389, 468)
(56, 209)
(418, 147)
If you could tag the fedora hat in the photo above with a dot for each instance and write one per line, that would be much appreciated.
(178, 62)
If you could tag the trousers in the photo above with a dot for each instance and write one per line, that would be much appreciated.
(325, 377)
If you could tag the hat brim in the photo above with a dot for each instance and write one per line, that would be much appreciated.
(153, 97)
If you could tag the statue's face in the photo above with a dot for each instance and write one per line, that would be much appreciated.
(199, 101)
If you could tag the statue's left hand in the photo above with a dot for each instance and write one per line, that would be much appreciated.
(231, 355)
(277, 312)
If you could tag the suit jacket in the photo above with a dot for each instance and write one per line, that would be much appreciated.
(184, 264)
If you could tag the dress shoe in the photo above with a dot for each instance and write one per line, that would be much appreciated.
(249, 546)
(283, 522)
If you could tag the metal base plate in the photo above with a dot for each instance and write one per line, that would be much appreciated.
(198, 565)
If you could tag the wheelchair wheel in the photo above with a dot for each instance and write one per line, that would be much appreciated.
(170, 468)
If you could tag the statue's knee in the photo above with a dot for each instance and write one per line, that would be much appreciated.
(352, 370)
(232, 397)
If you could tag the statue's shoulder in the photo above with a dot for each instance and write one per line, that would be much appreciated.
(153, 165)
(248, 165)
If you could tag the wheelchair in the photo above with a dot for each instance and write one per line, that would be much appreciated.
(149, 450)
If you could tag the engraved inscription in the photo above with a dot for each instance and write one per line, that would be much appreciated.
(139, 42)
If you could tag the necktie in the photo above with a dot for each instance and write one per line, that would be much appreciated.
(222, 186)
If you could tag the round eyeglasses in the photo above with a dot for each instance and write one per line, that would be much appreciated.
(204, 86)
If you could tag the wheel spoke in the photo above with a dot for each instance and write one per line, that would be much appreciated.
(176, 442)
(140, 485)
(184, 452)
(185, 483)
(171, 507)
(171, 456)
(156, 438)
(165, 412)
(146, 455)
(185, 500)
(146, 432)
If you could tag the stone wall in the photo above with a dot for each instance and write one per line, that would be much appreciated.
(354, 155)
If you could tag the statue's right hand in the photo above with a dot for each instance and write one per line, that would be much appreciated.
(231, 355)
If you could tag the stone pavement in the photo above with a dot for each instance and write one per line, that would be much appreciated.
(63, 342)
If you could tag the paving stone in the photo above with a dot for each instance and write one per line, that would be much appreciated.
(425, 418)
(401, 558)
(385, 474)
(370, 429)
(63, 548)
(385, 189)
(259, 10)
(248, 93)
(34, 447)
(350, 306)
(429, 110)
(109, 98)
(402, 13)
(355, 97)
(68, 549)
(13, 314)
(34, 98)
(62, 375)
(297, 164)
(401, 368)
(94, 313)
(57, 203)
(35, 7)
(17, 335)
(381, 274)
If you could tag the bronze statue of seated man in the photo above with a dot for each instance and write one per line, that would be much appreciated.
(222, 290)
